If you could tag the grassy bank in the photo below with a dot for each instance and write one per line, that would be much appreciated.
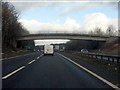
(11, 53)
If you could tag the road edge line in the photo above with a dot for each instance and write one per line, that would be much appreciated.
(95, 75)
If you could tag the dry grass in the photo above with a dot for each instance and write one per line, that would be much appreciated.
(110, 49)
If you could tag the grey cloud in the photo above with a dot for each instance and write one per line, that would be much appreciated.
(28, 4)
(23, 6)
(84, 5)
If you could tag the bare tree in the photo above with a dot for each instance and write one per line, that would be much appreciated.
(11, 28)
(91, 32)
(98, 31)
(111, 31)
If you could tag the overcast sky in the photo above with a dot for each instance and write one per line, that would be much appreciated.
(67, 16)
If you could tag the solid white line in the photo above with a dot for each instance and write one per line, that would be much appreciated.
(31, 61)
(97, 76)
(13, 72)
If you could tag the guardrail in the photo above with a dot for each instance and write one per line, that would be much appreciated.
(112, 58)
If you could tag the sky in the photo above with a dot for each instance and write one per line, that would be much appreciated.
(66, 16)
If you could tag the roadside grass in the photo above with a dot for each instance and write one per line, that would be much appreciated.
(110, 49)
(15, 53)
(112, 52)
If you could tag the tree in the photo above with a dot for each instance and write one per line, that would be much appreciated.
(98, 31)
(11, 28)
(111, 31)
(91, 32)
(9, 22)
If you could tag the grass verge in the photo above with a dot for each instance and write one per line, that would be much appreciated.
(15, 53)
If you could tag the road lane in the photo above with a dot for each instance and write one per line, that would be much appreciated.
(53, 72)
(9, 65)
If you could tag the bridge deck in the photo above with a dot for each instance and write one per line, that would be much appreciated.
(63, 36)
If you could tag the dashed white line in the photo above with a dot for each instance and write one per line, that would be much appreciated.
(13, 72)
(31, 61)
(95, 75)
(41, 55)
(34, 60)
(38, 57)
(10, 74)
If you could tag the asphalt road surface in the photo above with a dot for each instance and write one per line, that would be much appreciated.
(38, 71)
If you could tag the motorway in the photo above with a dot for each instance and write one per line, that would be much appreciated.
(38, 71)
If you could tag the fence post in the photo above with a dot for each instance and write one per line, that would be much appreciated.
(95, 56)
(113, 60)
(92, 56)
(108, 59)
(118, 60)
(87, 55)
(101, 57)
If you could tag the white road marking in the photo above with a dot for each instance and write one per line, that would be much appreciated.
(10, 74)
(38, 57)
(31, 61)
(34, 60)
(95, 75)
(13, 72)
(41, 55)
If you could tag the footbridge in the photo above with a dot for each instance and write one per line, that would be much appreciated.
(69, 36)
